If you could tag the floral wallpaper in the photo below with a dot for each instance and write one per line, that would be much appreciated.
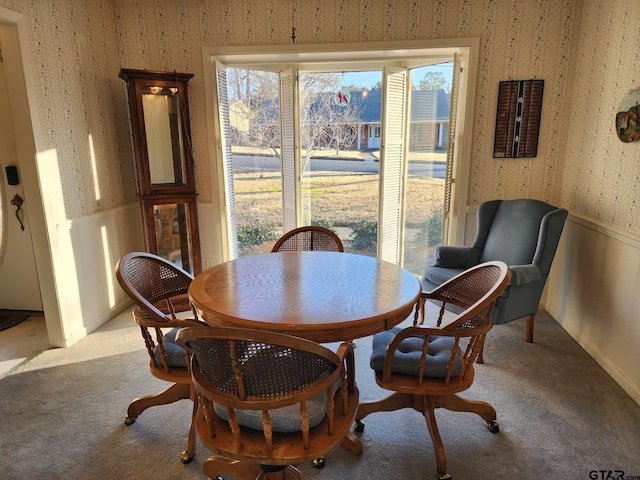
(601, 177)
(587, 51)
(82, 110)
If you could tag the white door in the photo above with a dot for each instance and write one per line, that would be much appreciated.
(374, 136)
(19, 289)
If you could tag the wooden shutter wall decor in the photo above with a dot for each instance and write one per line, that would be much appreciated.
(518, 118)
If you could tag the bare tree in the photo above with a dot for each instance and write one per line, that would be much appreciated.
(333, 125)
(434, 81)
(325, 124)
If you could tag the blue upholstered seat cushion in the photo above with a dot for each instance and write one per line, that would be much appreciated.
(285, 419)
(406, 359)
(175, 353)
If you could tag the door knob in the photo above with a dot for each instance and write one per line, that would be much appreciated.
(17, 201)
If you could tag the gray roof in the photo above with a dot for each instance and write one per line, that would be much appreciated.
(426, 105)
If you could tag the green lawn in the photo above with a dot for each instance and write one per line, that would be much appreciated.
(339, 199)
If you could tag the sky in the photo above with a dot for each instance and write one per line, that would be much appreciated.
(368, 79)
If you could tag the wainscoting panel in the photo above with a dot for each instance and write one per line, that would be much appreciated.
(592, 292)
(88, 249)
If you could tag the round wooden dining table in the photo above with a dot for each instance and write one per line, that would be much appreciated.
(321, 296)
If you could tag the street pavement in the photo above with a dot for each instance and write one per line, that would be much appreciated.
(251, 163)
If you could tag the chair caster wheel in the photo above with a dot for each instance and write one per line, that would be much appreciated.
(129, 420)
(359, 426)
(493, 426)
(186, 458)
(318, 462)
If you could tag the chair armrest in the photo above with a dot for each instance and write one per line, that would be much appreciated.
(448, 256)
(169, 323)
(523, 274)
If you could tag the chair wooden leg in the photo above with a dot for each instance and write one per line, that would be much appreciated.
(458, 404)
(215, 466)
(188, 454)
(352, 444)
(480, 358)
(438, 446)
(395, 401)
(172, 393)
(529, 331)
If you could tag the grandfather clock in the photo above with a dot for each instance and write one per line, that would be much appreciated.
(159, 107)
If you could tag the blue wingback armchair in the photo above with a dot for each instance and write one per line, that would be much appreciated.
(522, 233)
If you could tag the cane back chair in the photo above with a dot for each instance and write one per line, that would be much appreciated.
(159, 290)
(427, 367)
(304, 239)
(268, 401)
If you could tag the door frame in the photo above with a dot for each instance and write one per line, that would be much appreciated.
(28, 143)
(19, 287)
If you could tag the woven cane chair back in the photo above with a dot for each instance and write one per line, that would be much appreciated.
(160, 291)
(247, 370)
(311, 238)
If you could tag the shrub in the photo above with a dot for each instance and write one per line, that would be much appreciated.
(432, 229)
(364, 235)
(323, 222)
(251, 235)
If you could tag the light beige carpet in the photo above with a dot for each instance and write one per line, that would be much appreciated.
(561, 416)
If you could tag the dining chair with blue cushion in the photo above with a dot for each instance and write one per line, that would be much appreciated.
(427, 366)
(522, 233)
(159, 290)
(268, 401)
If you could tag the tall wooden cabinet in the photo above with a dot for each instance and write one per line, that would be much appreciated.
(159, 107)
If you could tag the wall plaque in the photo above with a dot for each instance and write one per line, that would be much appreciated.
(518, 118)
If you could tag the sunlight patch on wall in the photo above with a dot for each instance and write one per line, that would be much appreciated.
(107, 266)
(94, 168)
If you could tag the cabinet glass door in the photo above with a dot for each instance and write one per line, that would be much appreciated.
(172, 233)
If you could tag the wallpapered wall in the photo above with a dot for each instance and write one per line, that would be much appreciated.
(78, 48)
(602, 174)
(79, 97)
(521, 39)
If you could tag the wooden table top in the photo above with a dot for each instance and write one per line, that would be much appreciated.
(321, 296)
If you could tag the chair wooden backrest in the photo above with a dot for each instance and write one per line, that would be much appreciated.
(310, 238)
(249, 370)
(475, 291)
(160, 291)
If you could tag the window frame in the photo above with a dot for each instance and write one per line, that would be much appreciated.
(351, 57)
